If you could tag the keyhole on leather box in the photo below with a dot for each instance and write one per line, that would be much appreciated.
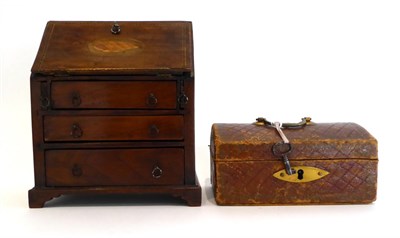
(300, 174)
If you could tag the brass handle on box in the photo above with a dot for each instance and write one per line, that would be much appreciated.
(261, 121)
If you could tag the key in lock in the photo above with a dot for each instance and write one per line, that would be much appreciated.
(282, 149)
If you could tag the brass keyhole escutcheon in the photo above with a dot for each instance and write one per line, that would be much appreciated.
(303, 174)
(76, 99)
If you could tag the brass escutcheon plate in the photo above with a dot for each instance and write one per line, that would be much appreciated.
(309, 174)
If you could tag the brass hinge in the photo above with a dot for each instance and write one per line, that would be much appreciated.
(44, 95)
(182, 98)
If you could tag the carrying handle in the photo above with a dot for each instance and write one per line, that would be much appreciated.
(261, 121)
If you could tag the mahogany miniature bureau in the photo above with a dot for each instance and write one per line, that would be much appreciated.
(113, 110)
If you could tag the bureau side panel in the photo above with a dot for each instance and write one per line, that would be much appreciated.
(37, 130)
(190, 172)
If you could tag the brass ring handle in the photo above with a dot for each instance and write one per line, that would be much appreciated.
(157, 172)
(152, 100)
(76, 131)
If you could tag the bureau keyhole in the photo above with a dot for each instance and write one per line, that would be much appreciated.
(76, 99)
(76, 170)
(154, 131)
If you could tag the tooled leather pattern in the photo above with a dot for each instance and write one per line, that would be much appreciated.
(318, 141)
(348, 177)
(351, 181)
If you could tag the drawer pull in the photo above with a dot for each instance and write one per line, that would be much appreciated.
(76, 171)
(154, 131)
(152, 100)
(157, 172)
(76, 99)
(76, 131)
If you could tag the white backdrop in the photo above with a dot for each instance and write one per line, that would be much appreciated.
(331, 60)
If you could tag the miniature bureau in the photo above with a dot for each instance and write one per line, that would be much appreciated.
(113, 110)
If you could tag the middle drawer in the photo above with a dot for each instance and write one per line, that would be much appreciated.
(112, 128)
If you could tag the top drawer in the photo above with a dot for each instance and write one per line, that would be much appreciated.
(114, 95)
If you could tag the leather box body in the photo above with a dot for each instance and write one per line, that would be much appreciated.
(243, 165)
(113, 110)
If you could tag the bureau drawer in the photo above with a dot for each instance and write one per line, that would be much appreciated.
(112, 128)
(114, 95)
(108, 167)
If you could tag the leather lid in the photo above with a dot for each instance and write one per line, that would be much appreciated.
(90, 48)
(230, 142)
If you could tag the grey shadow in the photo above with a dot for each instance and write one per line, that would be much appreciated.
(209, 191)
(114, 200)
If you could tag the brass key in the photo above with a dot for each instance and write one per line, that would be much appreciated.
(282, 149)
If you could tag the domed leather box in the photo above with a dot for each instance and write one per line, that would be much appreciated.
(331, 163)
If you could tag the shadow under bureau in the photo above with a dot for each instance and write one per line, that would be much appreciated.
(113, 110)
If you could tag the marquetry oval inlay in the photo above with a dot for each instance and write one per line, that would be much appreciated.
(115, 46)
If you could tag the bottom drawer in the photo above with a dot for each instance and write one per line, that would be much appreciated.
(113, 167)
